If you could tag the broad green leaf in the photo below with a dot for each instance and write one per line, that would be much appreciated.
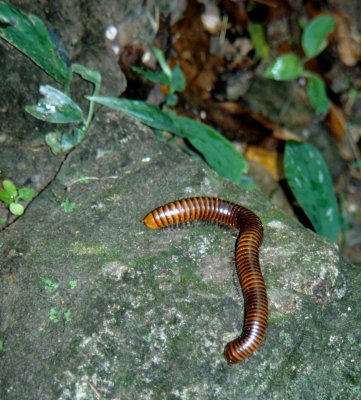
(285, 68)
(310, 181)
(29, 35)
(26, 194)
(16, 209)
(156, 77)
(218, 151)
(56, 107)
(162, 62)
(178, 81)
(146, 113)
(316, 92)
(2, 221)
(259, 41)
(89, 74)
(9, 187)
(314, 36)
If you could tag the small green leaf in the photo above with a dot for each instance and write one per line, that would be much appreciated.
(2, 220)
(156, 77)
(67, 316)
(171, 99)
(5, 197)
(316, 92)
(30, 36)
(73, 283)
(26, 194)
(162, 62)
(146, 113)
(10, 188)
(178, 81)
(62, 142)
(357, 164)
(54, 315)
(310, 181)
(218, 151)
(314, 36)
(285, 68)
(89, 74)
(16, 209)
(56, 107)
(49, 284)
(259, 41)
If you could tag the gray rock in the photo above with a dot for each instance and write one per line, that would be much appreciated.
(141, 314)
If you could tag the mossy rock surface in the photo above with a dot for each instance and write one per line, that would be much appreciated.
(140, 314)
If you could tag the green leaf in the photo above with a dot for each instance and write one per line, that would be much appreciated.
(5, 197)
(26, 194)
(310, 181)
(16, 209)
(314, 36)
(156, 77)
(218, 151)
(67, 316)
(49, 284)
(28, 34)
(285, 68)
(171, 99)
(62, 142)
(259, 41)
(146, 113)
(316, 92)
(68, 206)
(2, 220)
(54, 315)
(162, 62)
(10, 188)
(178, 81)
(89, 74)
(56, 107)
(357, 164)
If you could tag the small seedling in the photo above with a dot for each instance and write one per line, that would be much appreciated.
(54, 315)
(12, 196)
(73, 283)
(67, 316)
(173, 78)
(290, 66)
(49, 284)
(68, 206)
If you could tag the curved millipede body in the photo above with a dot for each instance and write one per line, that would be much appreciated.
(247, 260)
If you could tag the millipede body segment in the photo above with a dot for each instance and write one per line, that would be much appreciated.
(247, 260)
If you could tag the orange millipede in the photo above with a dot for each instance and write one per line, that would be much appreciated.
(247, 260)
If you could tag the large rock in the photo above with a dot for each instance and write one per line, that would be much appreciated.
(141, 314)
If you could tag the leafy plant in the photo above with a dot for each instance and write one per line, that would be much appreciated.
(68, 206)
(28, 33)
(215, 148)
(310, 181)
(173, 78)
(290, 66)
(12, 196)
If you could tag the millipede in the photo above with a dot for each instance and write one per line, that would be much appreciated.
(247, 260)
